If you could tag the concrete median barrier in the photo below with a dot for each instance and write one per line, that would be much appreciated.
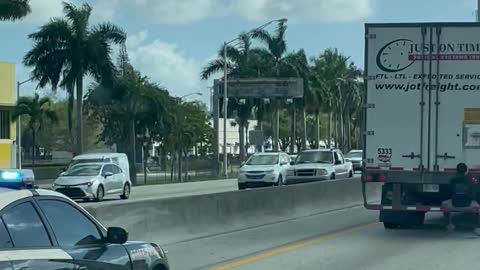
(179, 219)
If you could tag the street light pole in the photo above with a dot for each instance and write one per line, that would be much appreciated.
(225, 110)
(19, 128)
(191, 94)
(225, 90)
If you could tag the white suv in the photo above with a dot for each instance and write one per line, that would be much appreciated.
(264, 169)
(317, 165)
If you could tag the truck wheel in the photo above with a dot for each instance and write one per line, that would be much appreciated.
(390, 226)
(350, 174)
(332, 177)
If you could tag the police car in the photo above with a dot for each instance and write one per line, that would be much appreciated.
(43, 229)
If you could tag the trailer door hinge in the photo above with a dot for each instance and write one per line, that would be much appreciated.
(412, 156)
(370, 133)
(371, 36)
(370, 106)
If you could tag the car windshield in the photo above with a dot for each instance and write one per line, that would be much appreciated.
(354, 155)
(263, 160)
(83, 170)
(315, 157)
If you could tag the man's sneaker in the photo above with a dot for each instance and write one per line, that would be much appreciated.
(450, 228)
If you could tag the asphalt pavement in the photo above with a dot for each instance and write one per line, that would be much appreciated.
(346, 239)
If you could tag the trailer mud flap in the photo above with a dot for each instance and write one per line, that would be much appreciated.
(407, 218)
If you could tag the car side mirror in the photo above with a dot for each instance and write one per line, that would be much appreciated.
(107, 174)
(283, 163)
(62, 173)
(116, 235)
(338, 162)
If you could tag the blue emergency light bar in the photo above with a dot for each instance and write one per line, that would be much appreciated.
(16, 179)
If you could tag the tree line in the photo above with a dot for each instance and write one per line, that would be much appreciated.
(134, 112)
(333, 87)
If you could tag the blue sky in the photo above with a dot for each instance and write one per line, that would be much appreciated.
(170, 40)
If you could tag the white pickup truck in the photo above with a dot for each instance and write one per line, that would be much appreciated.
(318, 165)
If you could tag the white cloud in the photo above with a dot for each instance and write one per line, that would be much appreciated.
(304, 10)
(43, 10)
(135, 40)
(187, 11)
(177, 11)
(104, 10)
(165, 64)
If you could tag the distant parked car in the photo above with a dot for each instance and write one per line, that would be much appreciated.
(292, 157)
(356, 157)
(264, 169)
(318, 165)
(93, 181)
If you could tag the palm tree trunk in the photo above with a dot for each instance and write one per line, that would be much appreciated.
(186, 166)
(79, 84)
(317, 129)
(172, 167)
(70, 119)
(33, 148)
(294, 128)
(276, 130)
(132, 151)
(329, 129)
(304, 135)
(241, 135)
(179, 154)
(335, 131)
(247, 145)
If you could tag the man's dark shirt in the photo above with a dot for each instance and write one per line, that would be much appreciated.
(462, 191)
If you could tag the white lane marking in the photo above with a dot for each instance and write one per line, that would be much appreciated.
(9, 197)
(33, 254)
(387, 207)
(435, 208)
(411, 208)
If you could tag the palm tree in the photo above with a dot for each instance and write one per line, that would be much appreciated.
(276, 47)
(66, 49)
(328, 70)
(39, 112)
(132, 102)
(14, 9)
(242, 62)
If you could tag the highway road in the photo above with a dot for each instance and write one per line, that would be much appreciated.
(346, 239)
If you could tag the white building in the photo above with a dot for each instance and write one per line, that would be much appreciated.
(233, 137)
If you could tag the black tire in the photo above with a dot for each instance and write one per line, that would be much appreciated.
(241, 186)
(100, 194)
(390, 226)
(332, 177)
(350, 174)
(126, 192)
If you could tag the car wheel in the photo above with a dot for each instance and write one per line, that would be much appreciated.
(332, 177)
(350, 174)
(126, 192)
(100, 194)
(241, 186)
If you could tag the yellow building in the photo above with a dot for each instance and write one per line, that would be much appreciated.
(7, 127)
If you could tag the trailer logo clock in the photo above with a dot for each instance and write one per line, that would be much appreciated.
(394, 56)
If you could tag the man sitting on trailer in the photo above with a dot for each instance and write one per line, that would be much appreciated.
(462, 195)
